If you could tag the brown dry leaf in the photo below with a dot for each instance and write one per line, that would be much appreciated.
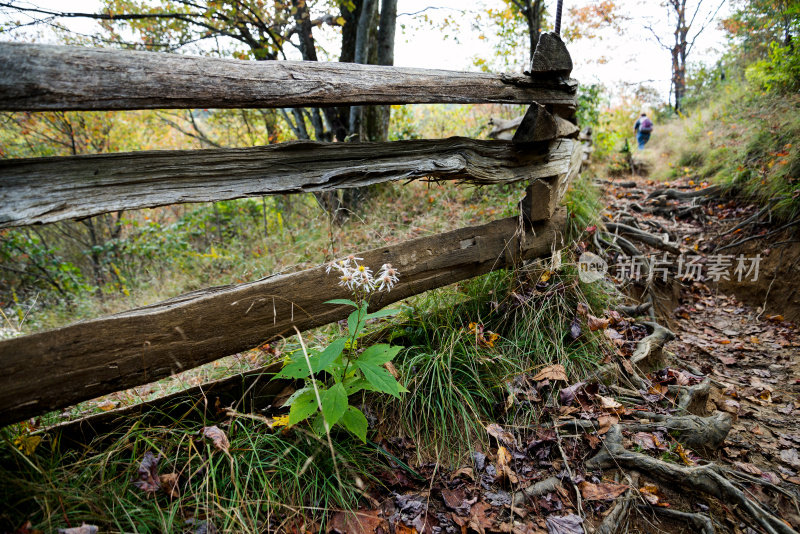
(652, 495)
(604, 423)
(604, 491)
(400, 528)
(582, 309)
(358, 522)
(627, 365)
(791, 457)
(503, 468)
(501, 435)
(748, 468)
(107, 405)
(607, 403)
(27, 528)
(565, 524)
(595, 323)
(148, 473)
(480, 520)
(218, 437)
(169, 483)
(389, 366)
(730, 406)
(645, 440)
(680, 451)
(552, 372)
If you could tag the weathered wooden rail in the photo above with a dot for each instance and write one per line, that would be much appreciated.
(61, 367)
(44, 190)
(46, 77)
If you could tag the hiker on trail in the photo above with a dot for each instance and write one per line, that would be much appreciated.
(643, 129)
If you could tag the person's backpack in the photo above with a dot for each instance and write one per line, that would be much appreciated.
(646, 126)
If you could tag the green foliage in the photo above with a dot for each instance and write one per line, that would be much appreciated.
(30, 263)
(346, 373)
(584, 204)
(507, 29)
(780, 72)
(745, 139)
(589, 100)
(269, 474)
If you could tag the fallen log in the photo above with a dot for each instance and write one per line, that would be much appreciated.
(36, 77)
(58, 368)
(45, 190)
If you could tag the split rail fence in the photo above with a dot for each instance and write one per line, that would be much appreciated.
(59, 368)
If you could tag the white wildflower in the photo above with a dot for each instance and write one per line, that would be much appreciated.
(387, 277)
(386, 283)
(357, 277)
(347, 280)
(352, 259)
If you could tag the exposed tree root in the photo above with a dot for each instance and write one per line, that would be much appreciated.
(637, 310)
(703, 523)
(618, 515)
(699, 433)
(692, 399)
(644, 237)
(542, 487)
(647, 357)
(708, 479)
(674, 194)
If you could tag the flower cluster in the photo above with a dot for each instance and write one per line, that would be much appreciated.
(357, 277)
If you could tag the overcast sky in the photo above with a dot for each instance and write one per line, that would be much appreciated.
(630, 58)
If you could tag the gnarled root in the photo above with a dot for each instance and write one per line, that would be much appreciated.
(703, 523)
(707, 479)
(647, 357)
(618, 516)
(542, 487)
(692, 399)
(698, 433)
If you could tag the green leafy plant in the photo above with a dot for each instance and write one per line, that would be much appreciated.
(341, 369)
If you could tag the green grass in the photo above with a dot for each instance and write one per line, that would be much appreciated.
(271, 478)
(458, 384)
(744, 139)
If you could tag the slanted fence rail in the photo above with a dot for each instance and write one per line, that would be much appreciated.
(58, 368)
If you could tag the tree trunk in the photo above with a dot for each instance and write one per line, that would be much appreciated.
(533, 16)
(386, 32)
(328, 200)
(366, 21)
